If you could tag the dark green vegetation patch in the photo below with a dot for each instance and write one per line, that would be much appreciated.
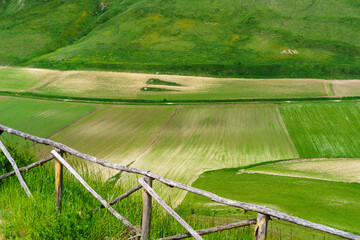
(156, 81)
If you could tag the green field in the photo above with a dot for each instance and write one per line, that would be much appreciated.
(331, 203)
(324, 130)
(253, 100)
(118, 134)
(328, 169)
(221, 38)
(41, 118)
(207, 137)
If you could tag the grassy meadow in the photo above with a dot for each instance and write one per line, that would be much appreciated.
(32, 28)
(247, 38)
(220, 38)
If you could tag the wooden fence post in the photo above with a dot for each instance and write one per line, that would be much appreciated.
(146, 211)
(58, 184)
(261, 226)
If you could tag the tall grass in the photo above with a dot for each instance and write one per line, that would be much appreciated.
(36, 218)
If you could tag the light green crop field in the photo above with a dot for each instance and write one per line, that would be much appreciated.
(117, 134)
(208, 137)
(334, 204)
(40, 118)
(21, 79)
(324, 130)
(327, 169)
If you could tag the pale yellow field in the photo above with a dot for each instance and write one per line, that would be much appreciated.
(346, 87)
(98, 84)
(328, 169)
(128, 85)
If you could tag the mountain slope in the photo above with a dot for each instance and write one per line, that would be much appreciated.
(258, 38)
(30, 28)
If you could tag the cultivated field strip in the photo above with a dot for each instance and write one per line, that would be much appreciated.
(119, 134)
(42, 118)
(209, 137)
(324, 130)
(338, 169)
(117, 85)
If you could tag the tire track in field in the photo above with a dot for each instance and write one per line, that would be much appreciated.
(158, 136)
(282, 123)
(74, 122)
(329, 88)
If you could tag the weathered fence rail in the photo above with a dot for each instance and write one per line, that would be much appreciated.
(264, 214)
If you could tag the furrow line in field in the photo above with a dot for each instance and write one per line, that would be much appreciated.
(282, 123)
(290, 175)
(74, 122)
(160, 134)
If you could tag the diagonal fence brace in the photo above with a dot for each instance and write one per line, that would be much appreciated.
(169, 210)
(16, 169)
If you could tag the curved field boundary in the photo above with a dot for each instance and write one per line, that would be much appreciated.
(145, 101)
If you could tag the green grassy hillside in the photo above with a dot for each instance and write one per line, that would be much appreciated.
(31, 28)
(231, 38)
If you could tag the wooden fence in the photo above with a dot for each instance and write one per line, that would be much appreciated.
(261, 222)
